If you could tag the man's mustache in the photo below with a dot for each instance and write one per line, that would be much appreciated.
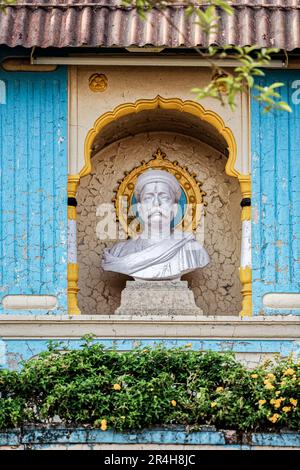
(162, 212)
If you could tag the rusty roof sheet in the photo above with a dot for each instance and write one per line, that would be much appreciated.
(75, 23)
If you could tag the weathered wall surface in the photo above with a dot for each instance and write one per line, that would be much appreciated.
(72, 438)
(33, 192)
(276, 202)
(217, 286)
(252, 340)
(129, 84)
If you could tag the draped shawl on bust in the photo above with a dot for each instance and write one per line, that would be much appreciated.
(130, 257)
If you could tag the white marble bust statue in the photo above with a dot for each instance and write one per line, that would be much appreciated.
(158, 252)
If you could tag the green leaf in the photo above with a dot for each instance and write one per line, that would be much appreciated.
(276, 85)
(189, 10)
(224, 6)
(283, 105)
(250, 81)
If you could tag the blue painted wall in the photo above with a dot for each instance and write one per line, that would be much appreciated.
(33, 198)
(14, 351)
(276, 194)
(47, 437)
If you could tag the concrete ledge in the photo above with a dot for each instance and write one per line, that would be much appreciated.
(251, 339)
(110, 326)
(68, 438)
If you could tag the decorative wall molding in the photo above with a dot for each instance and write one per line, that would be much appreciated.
(29, 302)
(108, 326)
(282, 300)
(191, 107)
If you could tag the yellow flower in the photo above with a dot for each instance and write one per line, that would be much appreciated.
(286, 409)
(268, 385)
(103, 424)
(213, 404)
(262, 402)
(283, 382)
(254, 376)
(123, 417)
(277, 403)
(173, 402)
(277, 393)
(274, 418)
(293, 401)
(289, 372)
(219, 389)
(270, 376)
(117, 387)
(188, 345)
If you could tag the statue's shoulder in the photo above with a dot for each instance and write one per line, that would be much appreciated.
(189, 239)
(197, 252)
(194, 244)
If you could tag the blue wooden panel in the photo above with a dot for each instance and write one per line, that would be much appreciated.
(33, 197)
(276, 194)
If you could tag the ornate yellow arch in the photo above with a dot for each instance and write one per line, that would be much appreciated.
(176, 104)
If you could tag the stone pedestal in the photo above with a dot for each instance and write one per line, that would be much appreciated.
(157, 298)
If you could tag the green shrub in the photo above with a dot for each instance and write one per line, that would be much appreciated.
(150, 387)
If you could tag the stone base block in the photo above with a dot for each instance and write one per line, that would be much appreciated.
(157, 298)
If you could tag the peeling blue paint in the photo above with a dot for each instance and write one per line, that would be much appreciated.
(46, 437)
(2, 353)
(18, 350)
(276, 196)
(10, 438)
(2, 92)
(33, 183)
(160, 436)
(281, 440)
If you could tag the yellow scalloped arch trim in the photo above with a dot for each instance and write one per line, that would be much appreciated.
(190, 107)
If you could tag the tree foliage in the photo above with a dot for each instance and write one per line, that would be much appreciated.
(225, 84)
(6, 3)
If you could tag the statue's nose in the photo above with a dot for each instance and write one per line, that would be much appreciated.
(156, 201)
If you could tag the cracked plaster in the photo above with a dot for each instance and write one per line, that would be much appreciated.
(217, 287)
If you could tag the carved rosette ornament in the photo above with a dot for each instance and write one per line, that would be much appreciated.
(191, 200)
(98, 82)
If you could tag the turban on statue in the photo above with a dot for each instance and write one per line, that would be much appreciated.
(155, 176)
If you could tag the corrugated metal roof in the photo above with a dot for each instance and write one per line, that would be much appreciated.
(75, 23)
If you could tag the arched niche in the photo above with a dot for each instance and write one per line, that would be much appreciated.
(197, 139)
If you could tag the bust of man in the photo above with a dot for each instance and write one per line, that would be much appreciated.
(159, 252)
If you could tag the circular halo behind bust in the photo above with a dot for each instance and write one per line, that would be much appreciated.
(191, 197)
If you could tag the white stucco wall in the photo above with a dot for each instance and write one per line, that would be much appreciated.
(129, 84)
